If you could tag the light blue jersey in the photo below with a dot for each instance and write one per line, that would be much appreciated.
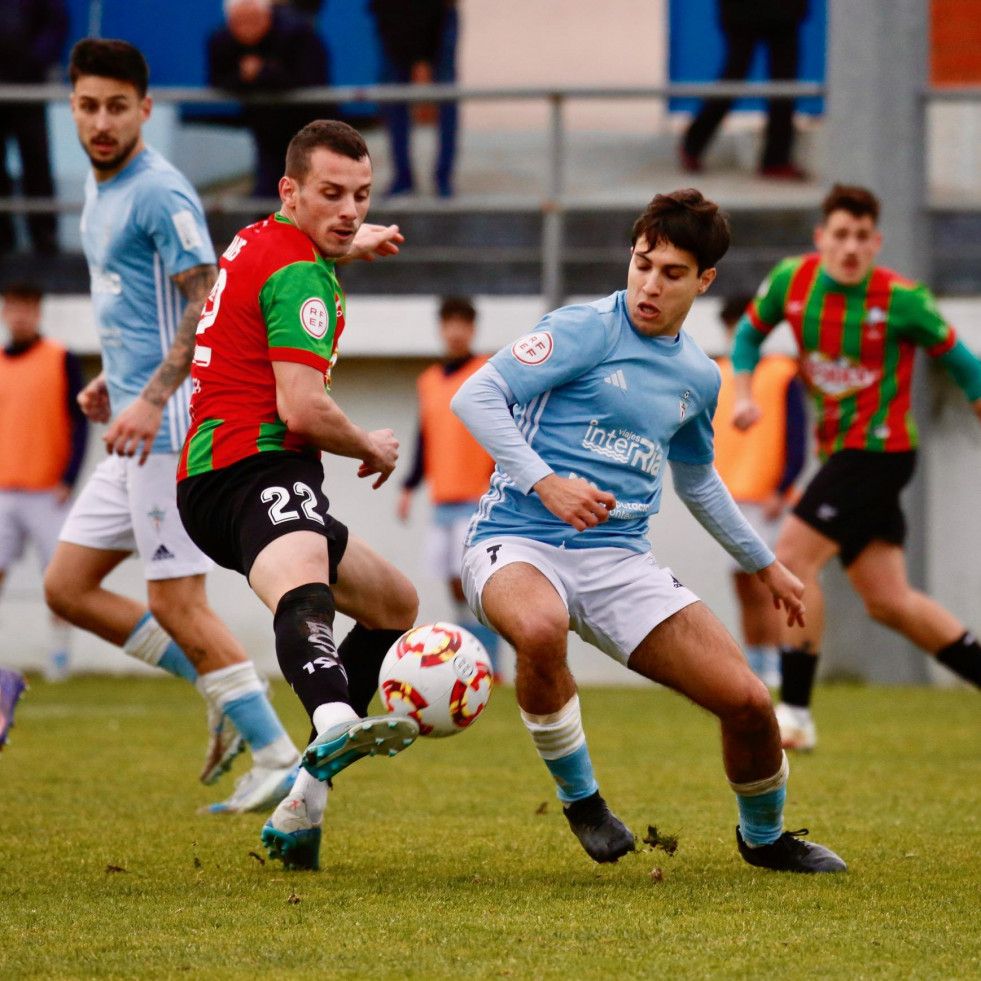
(139, 229)
(597, 400)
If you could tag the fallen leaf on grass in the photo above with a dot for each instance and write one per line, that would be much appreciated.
(542, 808)
(115, 868)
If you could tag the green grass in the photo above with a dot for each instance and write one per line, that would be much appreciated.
(439, 864)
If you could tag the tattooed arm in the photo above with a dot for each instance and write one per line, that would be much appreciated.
(135, 428)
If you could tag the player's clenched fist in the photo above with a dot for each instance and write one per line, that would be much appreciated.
(576, 501)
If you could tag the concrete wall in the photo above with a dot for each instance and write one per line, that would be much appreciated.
(390, 342)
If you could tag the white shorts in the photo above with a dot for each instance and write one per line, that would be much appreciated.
(128, 508)
(34, 515)
(767, 528)
(445, 538)
(615, 597)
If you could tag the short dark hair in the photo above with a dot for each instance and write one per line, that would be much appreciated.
(857, 201)
(109, 58)
(734, 307)
(22, 290)
(331, 134)
(457, 306)
(688, 221)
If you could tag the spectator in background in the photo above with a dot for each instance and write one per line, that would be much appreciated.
(455, 466)
(747, 23)
(32, 34)
(418, 45)
(42, 442)
(266, 47)
(759, 467)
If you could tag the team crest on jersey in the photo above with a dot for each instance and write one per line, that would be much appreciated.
(683, 403)
(837, 378)
(156, 515)
(534, 348)
(313, 317)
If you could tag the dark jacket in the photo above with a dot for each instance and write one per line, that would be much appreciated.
(761, 14)
(294, 57)
(410, 30)
(32, 36)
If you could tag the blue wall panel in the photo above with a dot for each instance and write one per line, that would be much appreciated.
(696, 51)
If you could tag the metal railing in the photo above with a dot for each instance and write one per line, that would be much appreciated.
(552, 205)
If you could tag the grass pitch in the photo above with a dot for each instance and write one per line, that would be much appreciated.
(453, 859)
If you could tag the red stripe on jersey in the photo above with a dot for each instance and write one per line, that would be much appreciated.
(872, 346)
(797, 293)
(829, 344)
(896, 419)
(944, 346)
(298, 356)
(756, 320)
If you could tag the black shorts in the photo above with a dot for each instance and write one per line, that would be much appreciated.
(854, 499)
(232, 514)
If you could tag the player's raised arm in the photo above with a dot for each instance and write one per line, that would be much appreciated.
(135, 428)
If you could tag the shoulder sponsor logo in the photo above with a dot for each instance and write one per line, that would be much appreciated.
(838, 378)
(313, 317)
(187, 229)
(617, 380)
(533, 348)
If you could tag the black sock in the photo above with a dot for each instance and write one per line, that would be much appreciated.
(362, 652)
(797, 670)
(963, 657)
(305, 646)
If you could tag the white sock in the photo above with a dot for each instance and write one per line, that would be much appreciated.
(148, 642)
(313, 791)
(559, 733)
(331, 713)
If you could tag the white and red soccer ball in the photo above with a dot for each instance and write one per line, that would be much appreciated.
(438, 674)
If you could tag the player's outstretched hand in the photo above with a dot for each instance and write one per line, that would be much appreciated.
(576, 501)
(381, 459)
(93, 400)
(375, 241)
(745, 413)
(134, 429)
(787, 589)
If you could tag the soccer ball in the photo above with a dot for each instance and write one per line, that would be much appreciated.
(438, 674)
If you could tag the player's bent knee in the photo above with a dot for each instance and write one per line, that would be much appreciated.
(749, 706)
(883, 609)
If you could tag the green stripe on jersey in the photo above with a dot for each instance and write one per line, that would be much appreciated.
(199, 447)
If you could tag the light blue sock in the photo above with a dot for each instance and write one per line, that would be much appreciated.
(175, 661)
(756, 658)
(573, 775)
(255, 719)
(150, 643)
(761, 816)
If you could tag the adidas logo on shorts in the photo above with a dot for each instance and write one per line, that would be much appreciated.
(162, 553)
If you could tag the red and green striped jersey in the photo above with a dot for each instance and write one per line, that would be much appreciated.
(857, 346)
(276, 299)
